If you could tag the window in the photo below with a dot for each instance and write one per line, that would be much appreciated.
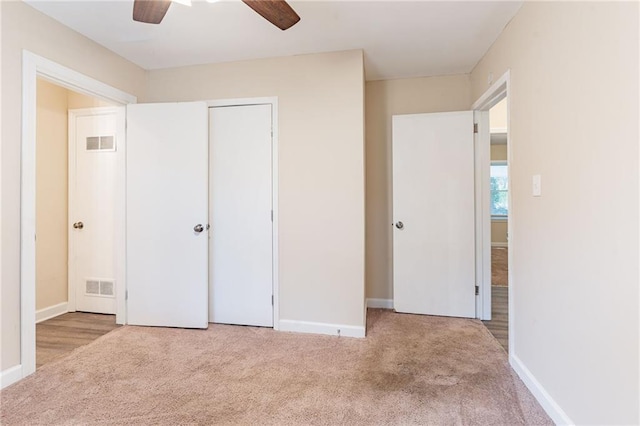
(499, 189)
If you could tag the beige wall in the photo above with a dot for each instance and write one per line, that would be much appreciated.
(383, 99)
(574, 95)
(321, 170)
(77, 101)
(498, 152)
(52, 202)
(498, 116)
(499, 229)
(51, 195)
(23, 27)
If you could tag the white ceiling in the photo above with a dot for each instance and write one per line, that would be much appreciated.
(400, 38)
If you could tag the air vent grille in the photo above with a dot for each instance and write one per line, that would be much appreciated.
(93, 287)
(102, 288)
(101, 143)
(106, 288)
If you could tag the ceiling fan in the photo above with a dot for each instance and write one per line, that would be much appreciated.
(278, 12)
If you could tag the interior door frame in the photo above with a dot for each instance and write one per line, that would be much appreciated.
(33, 67)
(273, 101)
(120, 161)
(494, 94)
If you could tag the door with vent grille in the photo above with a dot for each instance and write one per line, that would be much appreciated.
(92, 188)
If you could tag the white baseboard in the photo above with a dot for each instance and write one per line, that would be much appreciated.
(505, 245)
(549, 405)
(380, 303)
(10, 376)
(51, 312)
(322, 328)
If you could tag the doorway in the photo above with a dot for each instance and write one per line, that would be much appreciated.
(57, 201)
(36, 67)
(493, 212)
(499, 211)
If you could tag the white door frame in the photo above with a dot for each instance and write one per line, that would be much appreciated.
(34, 66)
(273, 101)
(498, 91)
(121, 155)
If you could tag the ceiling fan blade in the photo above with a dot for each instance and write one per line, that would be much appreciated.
(278, 12)
(150, 11)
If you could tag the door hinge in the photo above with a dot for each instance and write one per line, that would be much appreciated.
(477, 290)
(271, 215)
(126, 295)
(475, 127)
(272, 300)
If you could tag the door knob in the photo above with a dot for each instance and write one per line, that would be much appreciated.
(78, 225)
(400, 225)
(198, 228)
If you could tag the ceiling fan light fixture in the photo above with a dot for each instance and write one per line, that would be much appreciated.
(278, 12)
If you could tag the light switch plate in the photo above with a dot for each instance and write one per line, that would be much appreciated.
(537, 186)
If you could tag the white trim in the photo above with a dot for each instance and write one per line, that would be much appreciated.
(28, 217)
(322, 328)
(120, 219)
(71, 196)
(505, 245)
(242, 101)
(10, 376)
(549, 405)
(499, 218)
(498, 91)
(34, 66)
(73, 80)
(482, 203)
(380, 303)
(51, 312)
(494, 94)
(273, 101)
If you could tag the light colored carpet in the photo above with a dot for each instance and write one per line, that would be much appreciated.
(499, 266)
(410, 369)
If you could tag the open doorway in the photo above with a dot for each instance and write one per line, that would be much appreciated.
(34, 67)
(499, 211)
(59, 329)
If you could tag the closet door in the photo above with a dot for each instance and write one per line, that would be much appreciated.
(241, 215)
(167, 202)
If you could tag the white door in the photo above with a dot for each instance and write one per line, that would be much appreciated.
(241, 254)
(433, 214)
(166, 213)
(92, 189)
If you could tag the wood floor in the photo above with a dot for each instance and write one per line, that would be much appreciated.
(499, 324)
(59, 336)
